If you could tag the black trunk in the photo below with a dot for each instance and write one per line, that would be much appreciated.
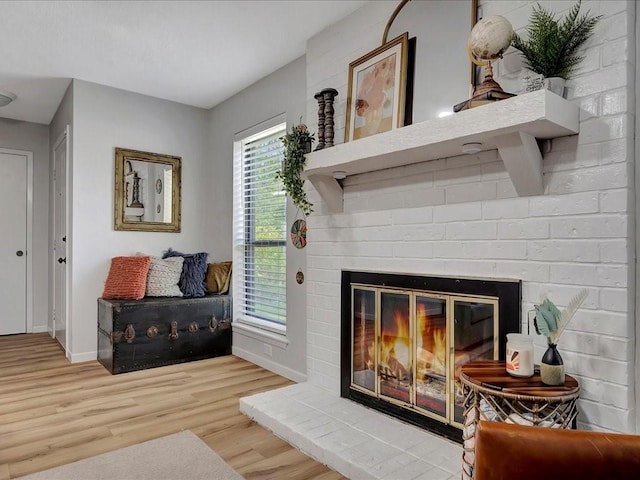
(152, 332)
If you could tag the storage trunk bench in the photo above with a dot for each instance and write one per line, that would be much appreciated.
(152, 332)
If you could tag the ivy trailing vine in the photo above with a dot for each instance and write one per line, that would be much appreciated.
(296, 144)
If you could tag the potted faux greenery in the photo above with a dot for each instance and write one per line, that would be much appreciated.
(551, 49)
(551, 322)
(296, 143)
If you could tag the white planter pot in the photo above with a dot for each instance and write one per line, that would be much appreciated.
(555, 84)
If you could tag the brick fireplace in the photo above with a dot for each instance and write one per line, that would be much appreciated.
(461, 216)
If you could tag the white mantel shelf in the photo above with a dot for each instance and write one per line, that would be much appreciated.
(511, 126)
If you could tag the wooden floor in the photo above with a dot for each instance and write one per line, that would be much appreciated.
(53, 412)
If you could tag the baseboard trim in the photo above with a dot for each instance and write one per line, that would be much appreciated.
(41, 329)
(269, 365)
(82, 357)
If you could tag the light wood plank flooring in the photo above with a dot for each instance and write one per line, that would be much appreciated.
(53, 412)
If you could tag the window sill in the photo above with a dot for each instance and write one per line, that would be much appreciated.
(277, 339)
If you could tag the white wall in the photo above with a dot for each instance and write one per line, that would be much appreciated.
(105, 118)
(62, 118)
(281, 92)
(34, 138)
(461, 216)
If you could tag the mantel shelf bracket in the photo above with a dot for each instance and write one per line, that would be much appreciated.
(522, 159)
(330, 191)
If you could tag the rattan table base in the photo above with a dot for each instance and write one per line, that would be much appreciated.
(491, 394)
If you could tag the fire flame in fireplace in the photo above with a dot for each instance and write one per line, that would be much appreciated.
(431, 344)
(395, 347)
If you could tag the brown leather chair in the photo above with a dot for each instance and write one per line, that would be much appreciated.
(515, 452)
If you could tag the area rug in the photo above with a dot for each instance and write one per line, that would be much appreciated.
(175, 457)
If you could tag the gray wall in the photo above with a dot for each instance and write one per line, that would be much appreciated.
(281, 92)
(102, 118)
(105, 118)
(34, 138)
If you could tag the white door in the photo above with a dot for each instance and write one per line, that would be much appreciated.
(14, 178)
(60, 330)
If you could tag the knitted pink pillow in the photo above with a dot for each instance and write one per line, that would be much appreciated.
(127, 279)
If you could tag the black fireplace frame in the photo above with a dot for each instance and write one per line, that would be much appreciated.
(508, 292)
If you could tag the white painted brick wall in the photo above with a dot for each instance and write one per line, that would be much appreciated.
(461, 215)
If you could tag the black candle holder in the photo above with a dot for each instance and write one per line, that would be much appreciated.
(329, 95)
(320, 98)
(325, 117)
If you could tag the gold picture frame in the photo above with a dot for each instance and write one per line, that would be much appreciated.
(139, 205)
(377, 90)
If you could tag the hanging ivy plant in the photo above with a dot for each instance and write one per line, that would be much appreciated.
(296, 144)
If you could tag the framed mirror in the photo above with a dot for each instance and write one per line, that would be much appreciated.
(147, 191)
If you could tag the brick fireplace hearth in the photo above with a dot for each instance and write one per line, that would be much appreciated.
(356, 441)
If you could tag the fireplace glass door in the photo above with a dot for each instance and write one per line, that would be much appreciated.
(407, 347)
(474, 338)
(363, 340)
(432, 361)
(394, 347)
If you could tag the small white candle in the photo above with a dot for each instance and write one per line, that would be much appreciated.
(519, 355)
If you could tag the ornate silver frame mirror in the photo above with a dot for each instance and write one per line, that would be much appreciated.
(147, 191)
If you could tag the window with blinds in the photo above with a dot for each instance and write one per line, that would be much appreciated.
(260, 229)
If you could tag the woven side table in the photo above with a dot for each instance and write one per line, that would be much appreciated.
(490, 393)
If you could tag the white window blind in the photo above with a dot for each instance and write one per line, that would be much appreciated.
(260, 229)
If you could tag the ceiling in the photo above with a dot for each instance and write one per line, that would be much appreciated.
(193, 52)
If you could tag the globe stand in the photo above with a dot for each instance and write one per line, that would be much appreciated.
(488, 84)
(488, 91)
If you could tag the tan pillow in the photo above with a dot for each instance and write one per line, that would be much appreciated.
(218, 275)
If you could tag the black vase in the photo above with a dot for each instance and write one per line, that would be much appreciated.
(552, 367)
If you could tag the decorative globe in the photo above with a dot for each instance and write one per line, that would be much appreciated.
(490, 37)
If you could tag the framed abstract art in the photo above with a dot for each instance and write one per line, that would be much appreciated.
(377, 90)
